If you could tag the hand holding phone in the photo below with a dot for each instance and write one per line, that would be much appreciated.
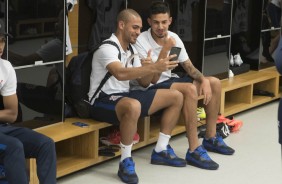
(175, 50)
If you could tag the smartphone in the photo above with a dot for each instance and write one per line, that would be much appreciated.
(80, 124)
(175, 50)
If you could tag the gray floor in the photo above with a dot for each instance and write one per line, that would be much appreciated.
(257, 159)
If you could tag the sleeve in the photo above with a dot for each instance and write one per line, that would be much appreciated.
(142, 52)
(106, 54)
(10, 86)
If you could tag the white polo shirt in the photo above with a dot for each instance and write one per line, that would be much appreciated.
(145, 42)
(105, 55)
(8, 79)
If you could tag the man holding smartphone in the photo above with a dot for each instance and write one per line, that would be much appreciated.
(160, 40)
(117, 104)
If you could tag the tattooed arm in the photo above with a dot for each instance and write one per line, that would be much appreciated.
(192, 71)
(204, 87)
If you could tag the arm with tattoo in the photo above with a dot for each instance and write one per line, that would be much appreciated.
(192, 71)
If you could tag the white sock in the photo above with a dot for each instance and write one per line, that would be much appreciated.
(125, 151)
(162, 142)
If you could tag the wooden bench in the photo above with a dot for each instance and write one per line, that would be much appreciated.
(76, 147)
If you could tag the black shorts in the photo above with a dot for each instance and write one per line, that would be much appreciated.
(167, 84)
(103, 108)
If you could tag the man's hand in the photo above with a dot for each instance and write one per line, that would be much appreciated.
(165, 64)
(169, 42)
(147, 60)
(205, 89)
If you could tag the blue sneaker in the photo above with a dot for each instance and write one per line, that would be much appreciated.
(217, 145)
(200, 158)
(126, 171)
(167, 157)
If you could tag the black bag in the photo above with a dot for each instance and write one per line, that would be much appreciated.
(78, 81)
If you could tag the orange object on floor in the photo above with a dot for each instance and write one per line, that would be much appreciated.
(234, 125)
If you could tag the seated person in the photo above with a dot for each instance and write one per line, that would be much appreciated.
(17, 143)
(118, 105)
(160, 40)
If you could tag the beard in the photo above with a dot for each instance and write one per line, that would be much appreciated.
(158, 35)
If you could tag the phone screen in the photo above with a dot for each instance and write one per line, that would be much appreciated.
(175, 50)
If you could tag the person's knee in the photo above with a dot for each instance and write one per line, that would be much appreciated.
(14, 146)
(190, 92)
(177, 97)
(46, 143)
(215, 83)
(129, 108)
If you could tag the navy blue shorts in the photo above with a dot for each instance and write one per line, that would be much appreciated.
(103, 108)
(167, 84)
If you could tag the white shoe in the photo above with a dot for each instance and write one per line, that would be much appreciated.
(237, 60)
(230, 74)
(231, 60)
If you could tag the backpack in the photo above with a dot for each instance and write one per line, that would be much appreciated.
(78, 82)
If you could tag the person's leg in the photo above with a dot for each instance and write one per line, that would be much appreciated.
(128, 112)
(124, 111)
(213, 141)
(196, 155)
(170, 102)
(189, 108)
(41, 148)
(12, 154)
(189, 111)
(212, 109)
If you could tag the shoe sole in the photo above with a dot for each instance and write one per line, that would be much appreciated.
(215, 151)
(163, 163)
(207, 168)
(119, 175)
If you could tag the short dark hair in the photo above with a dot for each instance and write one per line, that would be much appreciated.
(126, 14)
(159, 7)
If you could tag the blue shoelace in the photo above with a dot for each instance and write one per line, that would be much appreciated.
(204, 154)
(171, 152)
(219, 140)
(130, 167)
